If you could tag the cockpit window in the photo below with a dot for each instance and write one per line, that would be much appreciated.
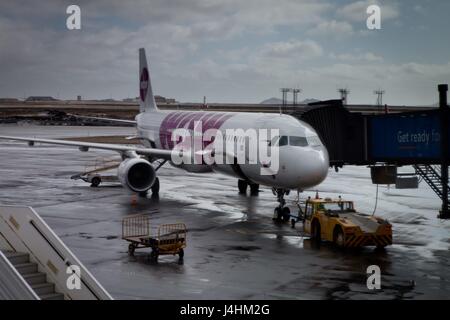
(298, 141)
(295, 141)
(273, 142)
(283, 141)
(314, 141)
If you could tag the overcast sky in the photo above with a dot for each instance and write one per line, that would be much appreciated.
(230, 51)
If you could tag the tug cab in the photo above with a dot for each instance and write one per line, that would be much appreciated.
(337, 221)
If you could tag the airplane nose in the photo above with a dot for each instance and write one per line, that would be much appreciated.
(316, 169)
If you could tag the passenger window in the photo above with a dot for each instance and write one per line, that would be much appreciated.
(283, 141)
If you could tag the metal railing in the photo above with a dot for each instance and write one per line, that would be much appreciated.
(12, 284)
(135, 226)
(26, 232)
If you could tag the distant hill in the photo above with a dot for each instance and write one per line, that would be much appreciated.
(306, 101)
(274, 100)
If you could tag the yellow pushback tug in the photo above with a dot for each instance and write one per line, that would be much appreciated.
(337, 221)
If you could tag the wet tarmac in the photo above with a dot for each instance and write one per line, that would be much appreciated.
(234, 248)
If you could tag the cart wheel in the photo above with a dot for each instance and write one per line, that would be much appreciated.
(131, 249)
(154, 256)
(95, 182)
(180, 256)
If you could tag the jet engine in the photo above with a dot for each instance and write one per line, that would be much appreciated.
(136, 174)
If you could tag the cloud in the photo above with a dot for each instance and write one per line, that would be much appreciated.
(356, 11)
(367, 56)
(333, 27)
(232, 50)
(210, 19)
(418, 8)
(292, 49)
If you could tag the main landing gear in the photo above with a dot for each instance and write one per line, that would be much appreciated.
(154, 189)
(281, 213)
(243, 185)
(155, 186)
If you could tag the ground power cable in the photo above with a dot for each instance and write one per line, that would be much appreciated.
(376, 202)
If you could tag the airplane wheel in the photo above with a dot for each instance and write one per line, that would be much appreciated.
(95, 182)
(155, 186)
(242, 186)
(254, 189)
(286, 214)
(143, 194)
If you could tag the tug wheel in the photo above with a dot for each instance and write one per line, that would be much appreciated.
(338, 237)
(315, 230)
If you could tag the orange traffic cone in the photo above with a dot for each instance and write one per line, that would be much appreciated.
(133, 200)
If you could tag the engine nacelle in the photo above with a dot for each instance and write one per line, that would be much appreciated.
(136, 174)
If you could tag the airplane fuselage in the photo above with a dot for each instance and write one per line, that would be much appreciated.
(301, 165)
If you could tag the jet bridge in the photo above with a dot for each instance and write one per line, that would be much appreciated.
(385, 142)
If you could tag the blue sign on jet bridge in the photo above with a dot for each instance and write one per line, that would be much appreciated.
(411, 136)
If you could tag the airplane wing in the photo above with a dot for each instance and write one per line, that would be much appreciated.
(84, 146)
(122, 121)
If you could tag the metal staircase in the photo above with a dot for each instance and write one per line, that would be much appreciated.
(432, 176)
(37, 280)
(36, 264)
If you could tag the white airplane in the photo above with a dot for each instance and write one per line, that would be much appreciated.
(302, 158)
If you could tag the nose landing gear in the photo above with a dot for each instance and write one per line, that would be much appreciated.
(281, 213)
